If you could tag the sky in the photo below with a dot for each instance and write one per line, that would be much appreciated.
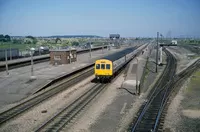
(129, 18)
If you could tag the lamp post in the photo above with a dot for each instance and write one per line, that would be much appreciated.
(6, 58)
(157, 53)
(32, 72)
(90, 50)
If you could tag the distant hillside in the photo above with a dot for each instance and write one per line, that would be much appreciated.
(74, 36)
(63, 36)
(18, 36)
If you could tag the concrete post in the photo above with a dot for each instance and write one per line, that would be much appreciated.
(6, 58)
(160, 55)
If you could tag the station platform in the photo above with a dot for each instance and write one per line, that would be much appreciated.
(40, 57)
(136, 66)
(18, 84)
(20, 60)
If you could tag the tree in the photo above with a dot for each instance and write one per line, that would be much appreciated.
(31, 37)
(28, 41)
(58, 39)
(75, 43)
(7, 38)
(34, 40)
(2, 37)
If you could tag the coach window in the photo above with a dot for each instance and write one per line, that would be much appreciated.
(102, 66)
(107, 66)
(97, 66)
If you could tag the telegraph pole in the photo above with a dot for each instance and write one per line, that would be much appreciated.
(157, 53)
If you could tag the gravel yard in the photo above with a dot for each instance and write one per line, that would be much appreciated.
(33, 118)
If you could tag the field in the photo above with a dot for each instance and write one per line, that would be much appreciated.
(192, 92)
(21, 47)
(49, 43)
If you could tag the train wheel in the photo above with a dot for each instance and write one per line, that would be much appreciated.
(109, 80)
(100, 80)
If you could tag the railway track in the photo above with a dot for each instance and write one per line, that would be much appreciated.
(174, 88)
(62, 118)
(148, 117)
(53, 89)
(43, 95)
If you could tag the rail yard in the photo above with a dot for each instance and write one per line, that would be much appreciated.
(99, 66)
(75, 101)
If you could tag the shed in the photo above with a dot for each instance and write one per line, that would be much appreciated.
(117, 36)
(62, 56)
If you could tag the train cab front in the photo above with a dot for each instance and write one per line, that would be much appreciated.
(103, 70)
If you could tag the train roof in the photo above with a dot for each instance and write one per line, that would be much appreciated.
(120, 54)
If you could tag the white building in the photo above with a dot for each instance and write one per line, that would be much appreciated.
(174, 41)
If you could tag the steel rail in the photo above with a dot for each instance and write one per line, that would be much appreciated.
(58, 121)
(62, 118)
(55, 88)
(158, 91)
(178, 80)
(43, 95)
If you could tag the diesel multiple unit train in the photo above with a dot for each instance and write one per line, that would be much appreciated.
(107, 67)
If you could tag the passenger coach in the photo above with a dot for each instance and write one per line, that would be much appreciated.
(107, 67)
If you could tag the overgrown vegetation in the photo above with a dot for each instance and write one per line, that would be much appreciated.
(190, 41)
